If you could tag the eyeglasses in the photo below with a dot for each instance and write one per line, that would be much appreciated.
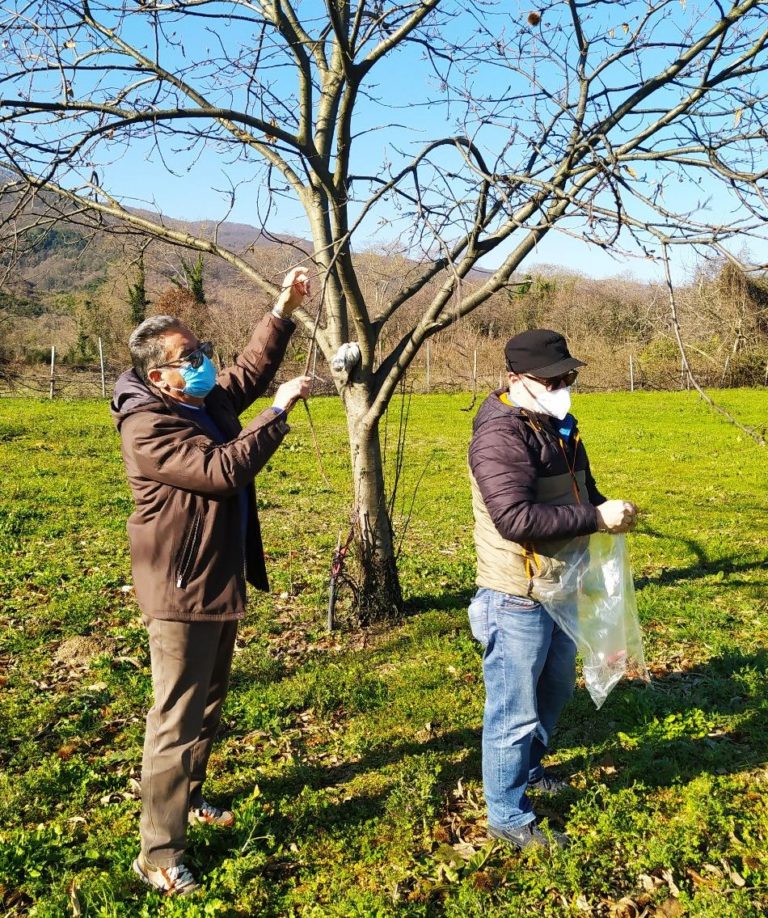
(555, 382)
(193, 358)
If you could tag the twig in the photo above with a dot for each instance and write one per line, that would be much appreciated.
(751, 432)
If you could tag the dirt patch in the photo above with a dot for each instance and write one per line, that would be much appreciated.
(80, 650)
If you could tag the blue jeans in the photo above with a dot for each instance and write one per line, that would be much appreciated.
(529, 668)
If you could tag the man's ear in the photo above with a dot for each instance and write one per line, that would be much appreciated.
(155, 376)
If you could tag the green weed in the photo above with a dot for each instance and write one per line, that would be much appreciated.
(353, 760)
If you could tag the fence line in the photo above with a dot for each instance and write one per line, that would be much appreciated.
(443, 367)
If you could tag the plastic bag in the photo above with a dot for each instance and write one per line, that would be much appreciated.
(592, 598)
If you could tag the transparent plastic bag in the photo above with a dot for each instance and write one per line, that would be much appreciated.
(592, 598)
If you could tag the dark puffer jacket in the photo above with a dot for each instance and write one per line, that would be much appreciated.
(531, 492)
(187, 552)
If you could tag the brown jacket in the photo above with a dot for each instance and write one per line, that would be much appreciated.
(189, 561)
(531, 493)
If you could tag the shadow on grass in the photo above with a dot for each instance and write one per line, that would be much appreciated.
(678, 728)
(442, 602)
(673, 732)
(702, 567)
(365, 805)
(675, 723)
(726, 567)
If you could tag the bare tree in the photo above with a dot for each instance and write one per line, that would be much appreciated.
(634, 125)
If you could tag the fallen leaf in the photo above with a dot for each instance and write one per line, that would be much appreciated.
(670, 881)
(465, 850)
(697, 878)
(74, 901)
(649, 883)
(735, 877)
(625, 908)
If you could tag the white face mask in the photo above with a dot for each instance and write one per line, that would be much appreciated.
(556, 403)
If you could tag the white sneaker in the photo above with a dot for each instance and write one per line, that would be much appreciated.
(211, 815)
(171, 881)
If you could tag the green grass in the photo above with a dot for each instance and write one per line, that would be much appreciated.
(353, 759)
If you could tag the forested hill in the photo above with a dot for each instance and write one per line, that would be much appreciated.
(66, 284)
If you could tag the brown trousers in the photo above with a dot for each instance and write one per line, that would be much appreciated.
(190, 675)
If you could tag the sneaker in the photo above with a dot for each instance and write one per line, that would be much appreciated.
(171, 881)
(549, 784)
(211, 815)
(528, 836)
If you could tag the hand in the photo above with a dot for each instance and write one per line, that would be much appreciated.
(295, 288)
(616, 516)
(290, 392)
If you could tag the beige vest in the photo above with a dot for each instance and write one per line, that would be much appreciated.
(513, 568)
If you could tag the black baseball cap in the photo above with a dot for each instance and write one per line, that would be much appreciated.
(540, 352)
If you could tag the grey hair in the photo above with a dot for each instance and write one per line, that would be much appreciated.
(146, 343)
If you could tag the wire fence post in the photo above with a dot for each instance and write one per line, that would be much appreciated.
(101, 364)
(53, 372)
(428, 363)
(474, 374)
(631, 374)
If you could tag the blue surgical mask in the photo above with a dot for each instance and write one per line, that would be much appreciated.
(198, 381)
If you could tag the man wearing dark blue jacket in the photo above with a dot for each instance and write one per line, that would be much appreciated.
(532, 491)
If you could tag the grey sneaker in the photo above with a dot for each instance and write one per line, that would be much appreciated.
(171, 881)
(210, 815)
(528, 836)
(549, 784)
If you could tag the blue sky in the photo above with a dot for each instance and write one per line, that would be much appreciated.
(399, 122)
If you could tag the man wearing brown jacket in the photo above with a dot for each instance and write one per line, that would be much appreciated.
(195, 540)
(532, 491)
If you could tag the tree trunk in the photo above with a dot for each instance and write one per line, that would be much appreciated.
(380, 597)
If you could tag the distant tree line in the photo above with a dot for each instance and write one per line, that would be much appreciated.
(724, 314)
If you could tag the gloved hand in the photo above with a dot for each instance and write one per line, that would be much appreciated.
(295, 288)
(616, 516)
(290, 392)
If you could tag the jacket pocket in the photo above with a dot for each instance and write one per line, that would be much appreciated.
(185, 559)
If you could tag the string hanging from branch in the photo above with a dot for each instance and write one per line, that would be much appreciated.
(749, 431)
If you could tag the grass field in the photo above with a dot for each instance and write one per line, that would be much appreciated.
(352, 760)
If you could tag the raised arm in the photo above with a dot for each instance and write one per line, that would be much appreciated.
(254, 369)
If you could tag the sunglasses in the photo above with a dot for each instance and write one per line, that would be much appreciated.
(194, 359)
(555, 382)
